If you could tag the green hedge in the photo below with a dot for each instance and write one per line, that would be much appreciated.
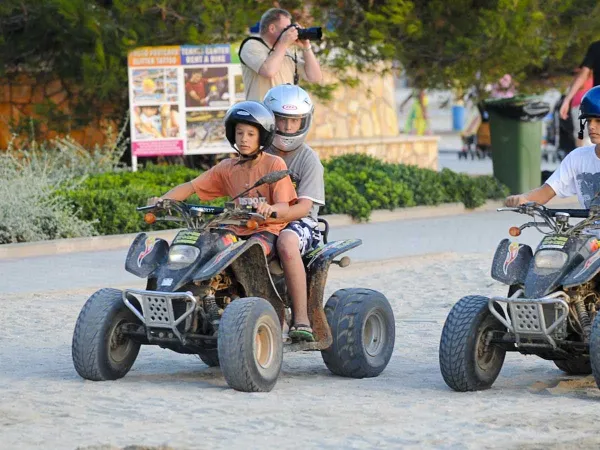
(354, 185)
(110, 199)
(387, 186)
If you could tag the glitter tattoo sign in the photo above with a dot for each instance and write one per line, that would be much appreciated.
(178, 97)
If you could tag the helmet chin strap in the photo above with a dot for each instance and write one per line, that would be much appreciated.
(581, 128)
(246, 158)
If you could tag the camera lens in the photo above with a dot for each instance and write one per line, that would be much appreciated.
(313, 33)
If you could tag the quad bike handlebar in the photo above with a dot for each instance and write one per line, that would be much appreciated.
(194, 215)
(557, 219)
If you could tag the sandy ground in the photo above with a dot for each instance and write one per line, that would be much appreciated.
(176, 401)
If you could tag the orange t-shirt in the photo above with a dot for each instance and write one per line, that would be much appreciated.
(229, 179)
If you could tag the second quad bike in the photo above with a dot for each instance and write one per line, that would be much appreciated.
(213, 294)
(550, 310)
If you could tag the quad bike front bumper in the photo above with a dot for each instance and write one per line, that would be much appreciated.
(171, 311)
(533, 319)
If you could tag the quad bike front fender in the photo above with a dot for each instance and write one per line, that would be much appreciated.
(584, 272)
(511, 262)
(145, 255)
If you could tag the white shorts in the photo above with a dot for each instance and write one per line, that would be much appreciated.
(308, 234)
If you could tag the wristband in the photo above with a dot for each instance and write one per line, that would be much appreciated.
(307, 49)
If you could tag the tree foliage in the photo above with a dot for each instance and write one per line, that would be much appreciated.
(439, 43)
(465, 43)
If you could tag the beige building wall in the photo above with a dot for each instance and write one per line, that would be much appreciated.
(356, 120)
(364, 120)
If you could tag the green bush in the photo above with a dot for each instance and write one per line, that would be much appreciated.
(343, 198)
(109, 200)
(390, 186)
(354, 185)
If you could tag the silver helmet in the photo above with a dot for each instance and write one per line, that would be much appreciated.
(290, 101)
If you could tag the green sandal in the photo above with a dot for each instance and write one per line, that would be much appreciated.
(302, 332)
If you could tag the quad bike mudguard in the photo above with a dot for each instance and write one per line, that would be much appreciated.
(585, 271)
(511, 262)
(145, 254)
(317, 267)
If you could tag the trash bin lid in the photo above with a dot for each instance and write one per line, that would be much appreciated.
(522, 108)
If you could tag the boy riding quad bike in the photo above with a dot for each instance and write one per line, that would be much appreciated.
(554, 295)
(552, 302)
(215, 294)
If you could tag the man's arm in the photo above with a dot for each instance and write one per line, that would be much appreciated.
(541, 195)
(578, 82)
(273, 63)
(297, 211)
(311, 65)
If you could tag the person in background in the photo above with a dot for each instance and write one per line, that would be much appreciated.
(271, 59)
(417, 121)
(587, 85)
(589, 67)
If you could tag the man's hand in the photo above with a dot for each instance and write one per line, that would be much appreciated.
(289, 36)
(565, 108)
(515, 200)
(304, 43)
(265, 210)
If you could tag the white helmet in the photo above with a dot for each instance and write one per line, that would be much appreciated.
(290, 101)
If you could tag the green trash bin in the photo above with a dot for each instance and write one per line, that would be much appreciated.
(516, 138)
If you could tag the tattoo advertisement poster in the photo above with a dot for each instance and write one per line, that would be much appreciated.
(178, 97)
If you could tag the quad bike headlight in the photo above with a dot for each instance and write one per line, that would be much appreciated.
(550, 259)
(183, 255)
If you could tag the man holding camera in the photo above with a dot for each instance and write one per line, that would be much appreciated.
(271, 59)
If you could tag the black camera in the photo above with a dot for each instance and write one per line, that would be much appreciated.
(312, 33)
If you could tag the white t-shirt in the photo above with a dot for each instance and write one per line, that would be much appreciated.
(578, 174)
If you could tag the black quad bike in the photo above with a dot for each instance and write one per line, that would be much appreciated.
(213, 294)
(550, 310)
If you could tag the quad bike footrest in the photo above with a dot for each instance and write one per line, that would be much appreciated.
(533, 317)
(158, 309)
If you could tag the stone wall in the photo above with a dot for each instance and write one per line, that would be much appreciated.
(356, 120)
(420, 151)
(364, 120)
(24, 96)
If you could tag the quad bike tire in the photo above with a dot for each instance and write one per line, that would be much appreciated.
(210, 358)
(99, 351)
(250, 345)
(465, 362)
(595, 349)
(364, 332)
(576, 366)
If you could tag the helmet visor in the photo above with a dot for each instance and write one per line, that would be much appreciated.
(291, 125)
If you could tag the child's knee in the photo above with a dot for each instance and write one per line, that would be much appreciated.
(287, 246)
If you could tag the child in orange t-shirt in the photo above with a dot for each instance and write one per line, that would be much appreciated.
(250, 128)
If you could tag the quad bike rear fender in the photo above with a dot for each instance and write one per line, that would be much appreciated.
(317, 267)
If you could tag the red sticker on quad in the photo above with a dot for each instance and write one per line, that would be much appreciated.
(511, 255)
(150, 242)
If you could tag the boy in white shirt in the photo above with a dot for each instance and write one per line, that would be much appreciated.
(579, 173)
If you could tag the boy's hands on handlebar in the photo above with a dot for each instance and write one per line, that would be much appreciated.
(153, 201)
(265, 210)
(515, 200)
